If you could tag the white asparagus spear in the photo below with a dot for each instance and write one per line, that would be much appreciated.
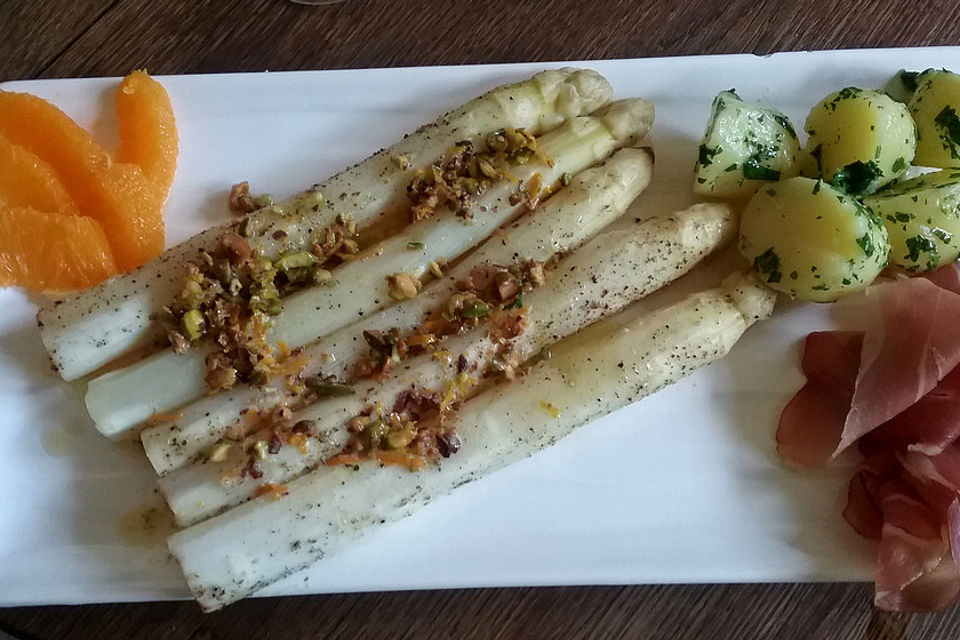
(603, 276)
(251, 546)
(88, 330)
(594, 198)
(122, 399)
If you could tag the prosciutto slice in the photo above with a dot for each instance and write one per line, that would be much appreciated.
(947, 277)
(929, 426)
(912, 343)
(812, 422)
(894, 390)
(914, 346)
(916, 522)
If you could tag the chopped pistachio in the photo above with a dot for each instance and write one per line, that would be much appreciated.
(399, 439)
(403, 162)
(243, 228)
(403, 286)
(496, 141)
(219, 452)
(261, 448)
(415, 246)
(263, 200)
(325, 388)
(476, 309)
(311, 199)
(222, 378)
(376, 430)
(486, 168)
(298, 260)
(236, 248)
(192, 323)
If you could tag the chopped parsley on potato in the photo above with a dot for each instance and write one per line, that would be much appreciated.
(744, 147)
(922, 217)
(859, 140)
(812, 241)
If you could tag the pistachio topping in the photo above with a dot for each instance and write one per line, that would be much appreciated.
(456, 180)
(403, 286)
(230, 294)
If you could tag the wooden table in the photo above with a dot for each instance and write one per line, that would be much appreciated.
(51, 39)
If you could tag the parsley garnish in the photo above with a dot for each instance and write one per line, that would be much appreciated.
(517, 303)
(866, 243)
(768, 264)
(753, 170)
(706, 155)
(816, 154)
(899, 164)
(949, 123)
(857, 177)
(785, 123)
(919, 244)
(908, 79)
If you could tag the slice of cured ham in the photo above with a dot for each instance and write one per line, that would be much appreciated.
(947, 277)
(915, 344)
(894, 390)
(928, 426)
(911, 344)
(812, 422)
(916, 522)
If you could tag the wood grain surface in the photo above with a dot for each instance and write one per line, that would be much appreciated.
(54, 39)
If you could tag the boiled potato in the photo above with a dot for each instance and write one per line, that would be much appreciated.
(859, 140)
(812, 241)
(744, 147)
(935, 106)
(922, 217)
(902, 85)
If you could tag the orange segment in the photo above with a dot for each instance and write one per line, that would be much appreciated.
(99, 189)
(28, 181)
(143, 204)
(52, 251)
(148, 130)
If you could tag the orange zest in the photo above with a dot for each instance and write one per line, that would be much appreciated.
(52, 251)
(343, 459)
(398, 457)
(272, 489)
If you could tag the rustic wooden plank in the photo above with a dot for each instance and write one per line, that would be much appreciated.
(253, 35)
(36, 33)
(109, 37)
(719, 612)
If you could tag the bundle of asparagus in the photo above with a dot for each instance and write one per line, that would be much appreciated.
(263, 357)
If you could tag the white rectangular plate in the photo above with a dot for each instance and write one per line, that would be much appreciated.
(684, 486)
